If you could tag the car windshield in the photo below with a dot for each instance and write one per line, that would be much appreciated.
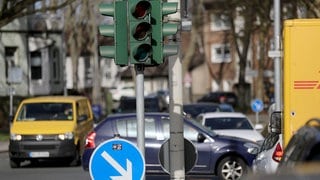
(219, 123)
(45, 111)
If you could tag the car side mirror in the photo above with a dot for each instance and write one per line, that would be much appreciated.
(201, 138)
(275, 122)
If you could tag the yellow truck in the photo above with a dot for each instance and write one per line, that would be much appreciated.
(301, 78)
(50, 127)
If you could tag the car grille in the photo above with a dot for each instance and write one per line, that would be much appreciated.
(39, 137)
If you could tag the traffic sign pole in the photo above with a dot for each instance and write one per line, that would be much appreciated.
(176, 143)
(139, 68)
(257, 107)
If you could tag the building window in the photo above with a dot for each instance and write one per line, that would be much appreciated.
(219, 22)
(55, 64)
(220, 53)
(10, 58)
(36, 65)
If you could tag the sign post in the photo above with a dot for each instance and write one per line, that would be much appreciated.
(257, 106)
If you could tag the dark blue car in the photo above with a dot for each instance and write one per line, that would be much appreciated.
(227, 157)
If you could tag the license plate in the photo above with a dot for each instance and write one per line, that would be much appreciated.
(39, 154)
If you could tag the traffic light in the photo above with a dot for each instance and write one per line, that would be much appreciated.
(160, 29)
(118, 30)
(140, 32)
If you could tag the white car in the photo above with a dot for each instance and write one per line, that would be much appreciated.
(271, 151)
(230, 124)
(118, 92)
(269, 156)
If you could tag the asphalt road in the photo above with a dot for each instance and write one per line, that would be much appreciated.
(46, 170)
(55, 170)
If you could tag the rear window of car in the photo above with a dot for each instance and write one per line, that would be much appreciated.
(270, 141)
(128, 127)
(189, 132)
(227, 123)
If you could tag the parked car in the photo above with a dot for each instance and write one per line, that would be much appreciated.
(220, 97)
(119, 91)
(301, 157)
(194, 109)
(50, 127)
(224, 107)
(151, 104)
(231, 124)
(163, 94)
(303, 147)
(269, 156)
(217, 155)
(271, 151)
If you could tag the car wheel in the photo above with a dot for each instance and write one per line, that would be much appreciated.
(14, 163)
(231, 168)
(76, 161)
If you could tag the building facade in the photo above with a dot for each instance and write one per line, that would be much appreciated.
(31, 57)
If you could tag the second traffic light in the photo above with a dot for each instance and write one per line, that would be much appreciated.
(161, 29)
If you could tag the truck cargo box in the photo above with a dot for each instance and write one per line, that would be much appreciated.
(301, 82)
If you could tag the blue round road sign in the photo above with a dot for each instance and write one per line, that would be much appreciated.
(256, 105)
(117, 159)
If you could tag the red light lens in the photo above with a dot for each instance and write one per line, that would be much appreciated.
(141, 9)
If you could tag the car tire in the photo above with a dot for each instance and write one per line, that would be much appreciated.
(231, 168)
(14, 163)
(76, 160)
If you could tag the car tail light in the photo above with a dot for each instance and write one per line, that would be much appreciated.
(90, 140)
(277, 154)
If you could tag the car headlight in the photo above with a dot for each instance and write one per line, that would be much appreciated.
(66, 136)
(251, 148)
(15, 137)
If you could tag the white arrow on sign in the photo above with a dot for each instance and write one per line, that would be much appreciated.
(125, 174)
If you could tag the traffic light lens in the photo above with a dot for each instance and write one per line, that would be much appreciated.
(142, 31)
(142, 52)
(141, 9)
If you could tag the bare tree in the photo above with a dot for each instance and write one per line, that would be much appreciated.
(13, 9)
(257, 22)
(255, 34)
(81, 30)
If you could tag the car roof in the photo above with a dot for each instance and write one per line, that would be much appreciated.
(131, 114)
(54, 99)
(223, 114)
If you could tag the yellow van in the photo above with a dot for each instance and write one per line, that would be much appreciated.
(50, 127)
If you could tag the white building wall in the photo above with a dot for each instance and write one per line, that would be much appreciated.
(11, 39)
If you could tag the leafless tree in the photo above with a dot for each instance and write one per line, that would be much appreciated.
(255, 32)
(13, 9)
(82, 38)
